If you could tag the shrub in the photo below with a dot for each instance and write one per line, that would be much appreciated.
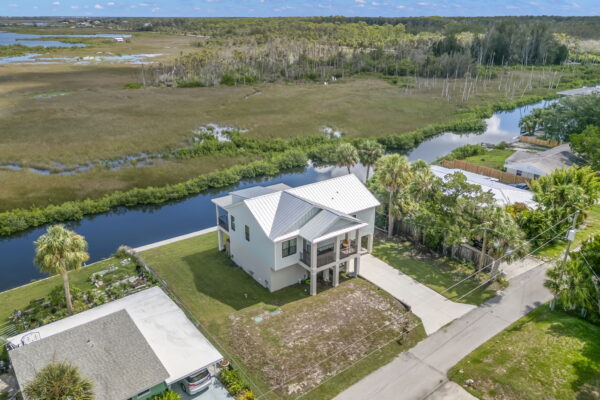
(168, 395)
(235, 384)
(133, 86)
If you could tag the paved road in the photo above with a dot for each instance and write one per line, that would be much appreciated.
(418, 373)
(434, 309)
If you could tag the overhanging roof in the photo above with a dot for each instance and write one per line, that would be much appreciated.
(177, 343)
(110, 351)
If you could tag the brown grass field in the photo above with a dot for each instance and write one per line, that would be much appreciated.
(99, 119)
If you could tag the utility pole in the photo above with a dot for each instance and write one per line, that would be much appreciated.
(483, 249)
(570, 238)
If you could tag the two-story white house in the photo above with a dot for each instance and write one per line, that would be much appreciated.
(281, 235)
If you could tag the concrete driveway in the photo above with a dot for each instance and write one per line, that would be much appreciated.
(434, 309)
(216, 391)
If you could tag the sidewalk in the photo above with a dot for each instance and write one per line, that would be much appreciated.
(175, 239)
(418, 373)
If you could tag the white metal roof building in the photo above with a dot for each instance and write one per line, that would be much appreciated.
(173, 338)
(504, 194)
(317, 214)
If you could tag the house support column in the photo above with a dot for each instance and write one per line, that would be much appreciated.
(357, 265)
(220, 236)
(336, 274)
(313, 269)
(326, 275)
(313, 282)
(370, 244)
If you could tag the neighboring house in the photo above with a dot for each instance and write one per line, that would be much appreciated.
(504, 194)
(581, 91)
(282, 235)
(131, 348)
(533, 164)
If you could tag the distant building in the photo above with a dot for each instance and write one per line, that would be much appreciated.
(119, 39)
(131, 348)
(581, 91)
(533, 164)
(504, 194)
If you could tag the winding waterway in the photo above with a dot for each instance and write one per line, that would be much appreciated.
(142, 225)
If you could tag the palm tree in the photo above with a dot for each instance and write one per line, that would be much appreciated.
(370, 151)
(393, 173)
(59, 381)
(59, 251)
(347, 155)
(528, 124)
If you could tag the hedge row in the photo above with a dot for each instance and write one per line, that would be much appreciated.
(319, 149)
(19, 219)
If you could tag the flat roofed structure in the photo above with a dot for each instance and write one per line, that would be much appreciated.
(176, 342)
(109, 351)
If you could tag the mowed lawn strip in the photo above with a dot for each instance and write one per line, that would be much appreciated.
(590, 229)
(494, 158)
(438, 274)
(226, 301)
(545, 355)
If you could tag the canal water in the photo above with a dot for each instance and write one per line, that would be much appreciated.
(143, 225)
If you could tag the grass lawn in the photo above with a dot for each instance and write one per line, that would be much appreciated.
(20, 297)
(297, 331)
(437, 274)
(545, 355)
(493, 159)
(590, 229)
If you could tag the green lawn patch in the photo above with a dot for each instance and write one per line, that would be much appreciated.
(590, 229)
(545, 355)
(438, 274)
(20, 297)
(493, 159)
(295, 330)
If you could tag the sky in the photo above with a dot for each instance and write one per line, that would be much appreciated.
(272, 8)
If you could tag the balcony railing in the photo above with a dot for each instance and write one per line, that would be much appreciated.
(223, 222)
(328, 257)
(350, 249)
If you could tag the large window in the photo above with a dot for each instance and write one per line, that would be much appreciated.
(247, 232)
(232, 223)
(289, 247)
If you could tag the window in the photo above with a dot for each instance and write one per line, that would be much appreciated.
(144, 393)
(247, 232)
(536, 176)
(288, 247)
(232, 223)
(519, 172)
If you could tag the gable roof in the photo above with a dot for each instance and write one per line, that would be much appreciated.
(307, 210)
(179, 346)
(544, 161)
(110, 351)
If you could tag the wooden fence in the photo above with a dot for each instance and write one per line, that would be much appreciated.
(539, 142)
(503, 177)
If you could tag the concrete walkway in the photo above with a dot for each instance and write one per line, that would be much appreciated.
(519, 267)
(419, 373)
(434, 309)
(175, 239)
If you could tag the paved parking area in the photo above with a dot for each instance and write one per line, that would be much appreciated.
(434, 309)
(216, 391)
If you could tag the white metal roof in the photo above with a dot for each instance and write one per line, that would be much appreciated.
(308, 210)
(504, 194)
(177, 343)
(346, 194)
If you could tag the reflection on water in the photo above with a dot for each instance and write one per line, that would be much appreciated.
(142, 225)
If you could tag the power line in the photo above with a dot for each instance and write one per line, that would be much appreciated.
(387, 324)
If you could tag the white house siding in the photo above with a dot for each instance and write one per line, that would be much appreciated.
(367, 216)
(283, 262)
(287, 277)
(526, 171)
(256, 256)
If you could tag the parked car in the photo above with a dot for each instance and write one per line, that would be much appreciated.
(197, 383)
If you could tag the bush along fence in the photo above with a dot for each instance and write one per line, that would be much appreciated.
(320, 150)
(539, 142)
(503, 177)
